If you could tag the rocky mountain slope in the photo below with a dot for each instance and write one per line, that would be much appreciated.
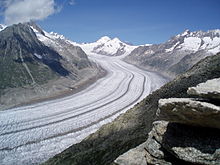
(187, 131)
(108, 46)
(29, 68)
(131, 129)
(178, 54)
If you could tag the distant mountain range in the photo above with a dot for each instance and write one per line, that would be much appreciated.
(108, 46)
(31, 57)
(178, 54)
(170, 58)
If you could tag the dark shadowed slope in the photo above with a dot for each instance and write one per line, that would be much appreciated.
(24, 60)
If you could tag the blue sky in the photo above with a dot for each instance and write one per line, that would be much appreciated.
(135, 21)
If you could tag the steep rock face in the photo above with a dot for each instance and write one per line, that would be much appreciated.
(130, 129)
(178, 54)
(36, 65)
(25, 60)
(188, 136)
(74, 58)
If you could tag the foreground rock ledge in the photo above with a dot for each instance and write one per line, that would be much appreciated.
(191, 144)
(172, 144)
(189, 111)
(210, 89)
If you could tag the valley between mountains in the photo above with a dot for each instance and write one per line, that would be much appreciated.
(36, 64)
(33, 134)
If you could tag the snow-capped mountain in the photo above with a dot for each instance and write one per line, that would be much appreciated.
(46, 64)
(104, 46)
(108, 46)
(178, 54)
(66, 48)
(196, 41)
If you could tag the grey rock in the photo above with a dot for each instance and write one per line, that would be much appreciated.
(210, 89)
(147, 153)
(155, 161)
(150, 151)
(191, 144)
(189, 111)
(134, 156)
(154, 153)
(153, 147)
(159, 129)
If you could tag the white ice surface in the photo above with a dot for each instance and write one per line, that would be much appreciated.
(191, 43)
(32, 134)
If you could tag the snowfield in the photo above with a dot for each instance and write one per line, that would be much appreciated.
(32, 134)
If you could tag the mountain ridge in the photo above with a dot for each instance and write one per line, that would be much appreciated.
(34, 70)
(178, 54)
(107, 46)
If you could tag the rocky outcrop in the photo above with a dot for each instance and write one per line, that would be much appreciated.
(189, 111)
(209, 89)
(190, 133)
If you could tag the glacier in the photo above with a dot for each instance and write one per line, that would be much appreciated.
(34, 133)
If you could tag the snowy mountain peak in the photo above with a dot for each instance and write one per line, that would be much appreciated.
(117, 40)
(104, 39)
(186, 32)
(195, 41)
(108, 46)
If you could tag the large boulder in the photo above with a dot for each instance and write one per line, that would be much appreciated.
(196, 145)
(189, 111)
(152, 151)
(210, 89)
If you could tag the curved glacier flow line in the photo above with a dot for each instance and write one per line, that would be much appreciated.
(74, 116)
(63, 113)
(80, 128)
(78, 114)
(39, 127)
(69, 110)
(71, 117)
